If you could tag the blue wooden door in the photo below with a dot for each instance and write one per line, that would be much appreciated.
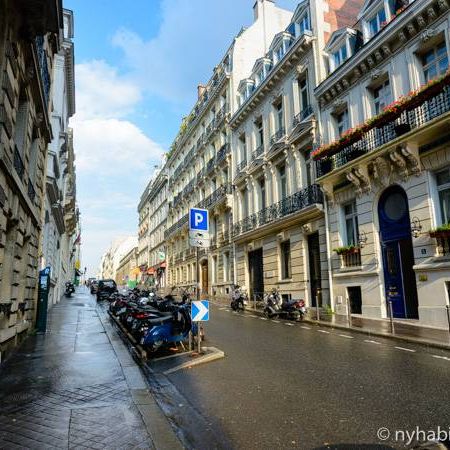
(397, 252)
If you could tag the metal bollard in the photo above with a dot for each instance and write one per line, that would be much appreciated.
(391, 317)
(448, 317)
(317, 308)
(349, 312)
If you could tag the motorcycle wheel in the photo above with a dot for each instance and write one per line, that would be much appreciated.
(267, 313)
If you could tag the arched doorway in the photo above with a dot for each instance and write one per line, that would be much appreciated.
(397, 252)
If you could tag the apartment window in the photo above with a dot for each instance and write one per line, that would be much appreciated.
(283, 182)
(304, 24)
(381, 96)
(351, 223)
(443, 186)
(260, 77)
(262, 187)
(244, 195)
(435, 62)
(340, 56)
(285, 251)
(279, 115)
(226, 266)
(279, 52)
(377, 22)
(342, 122)
(303, 93)
(21, 123)
(243, 147)
(259, 132)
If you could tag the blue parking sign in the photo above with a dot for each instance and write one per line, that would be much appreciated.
(198, 219)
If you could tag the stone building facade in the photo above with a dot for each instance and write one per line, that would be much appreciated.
(29, 41)
(127, 272)
(60, 183)
(387, 179)
(199, 163)
(279, 227)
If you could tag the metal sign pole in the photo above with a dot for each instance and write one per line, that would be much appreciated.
(197, 269)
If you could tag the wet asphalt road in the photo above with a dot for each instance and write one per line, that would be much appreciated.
(287, 385)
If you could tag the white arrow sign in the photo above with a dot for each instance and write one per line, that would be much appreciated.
(200, 311)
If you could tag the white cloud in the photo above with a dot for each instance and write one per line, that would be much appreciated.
(101, 92)
(112, 146)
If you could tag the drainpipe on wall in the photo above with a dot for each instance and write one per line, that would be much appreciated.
(327, 237)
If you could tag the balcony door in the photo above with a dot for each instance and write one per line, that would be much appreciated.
(315, 279)
(397, 253)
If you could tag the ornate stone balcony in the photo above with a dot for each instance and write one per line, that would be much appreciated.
(300, 200)
(302, 115)
(412, 114)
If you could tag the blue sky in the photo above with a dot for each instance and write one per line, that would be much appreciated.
(138, 64)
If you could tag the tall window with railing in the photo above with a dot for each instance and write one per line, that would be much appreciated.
(376, 22)
(285, 254)
(342, 122)
(262, 190)
(303, 93)
(351, 223)
(443, 187)
(279, 120)
(283, 181)
(259, 132)
(382, 96)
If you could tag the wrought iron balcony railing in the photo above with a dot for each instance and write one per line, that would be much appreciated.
(302, 115)
(241, 167)
(400, 123)
(223, 111)
(352, 258)
(18, 164)
(210, 165)
(257, 153)
(222, 153)
(277, 136)
(218, 195)
(300, 200)
(31, 191)
(43, 67)
(183, 221)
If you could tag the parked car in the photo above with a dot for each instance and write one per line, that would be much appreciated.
(94, 286)
(105, 289)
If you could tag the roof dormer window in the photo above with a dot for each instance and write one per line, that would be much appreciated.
(304, 24)
(376, 22)
(339, 56)
(279, 52)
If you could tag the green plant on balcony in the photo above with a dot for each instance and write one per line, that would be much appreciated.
(347, 250)
(442, 231)
(405, 103)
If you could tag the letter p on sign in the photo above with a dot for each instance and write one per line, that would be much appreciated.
(198, 219)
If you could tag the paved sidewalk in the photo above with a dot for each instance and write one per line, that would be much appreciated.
(77, 387)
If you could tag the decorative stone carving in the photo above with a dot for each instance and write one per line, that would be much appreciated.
(381, 171)
(431, 13)
(328, 96)
(338, 87)
(421, 21)
(386, 49)
(402, 36)
(345, 83)
(357, 73)
(411, 29)
(301, 68)
(338, 104)
(428, 34)
(358, 177)
(370, 61)
(443, 5)
(333, 92)
(363, 68)
(412, 159)
(322, 101)
(376, 74)
(378, 55)
(327, 189)
(399, 163)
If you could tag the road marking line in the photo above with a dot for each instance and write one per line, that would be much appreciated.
(264, 318)
(406, 349)
(446, 358)
(305, 328)
(345, 336)
(275, 321)
(372, 342)
(252, 315)
(289, 324)
(323, 331)
(223, 309)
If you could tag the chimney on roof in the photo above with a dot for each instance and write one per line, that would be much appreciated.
(201, 88)
(259, 6)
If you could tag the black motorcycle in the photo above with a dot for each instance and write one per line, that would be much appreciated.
(239, 299)
(70, 289)
(274, 306)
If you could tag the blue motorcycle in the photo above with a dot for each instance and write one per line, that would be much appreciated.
(168, 329)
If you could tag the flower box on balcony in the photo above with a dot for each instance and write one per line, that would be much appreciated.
(350, 255)
(442, 236)
(440, 233)
(349, 249)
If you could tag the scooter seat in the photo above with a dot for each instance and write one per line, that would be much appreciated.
(161, 319)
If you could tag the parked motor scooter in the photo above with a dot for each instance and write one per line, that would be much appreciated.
(239, 299)
(70, 289)
(275, 307)
(169, 328)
